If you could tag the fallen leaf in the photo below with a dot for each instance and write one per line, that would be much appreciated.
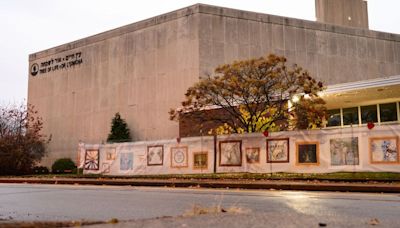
(373, 222)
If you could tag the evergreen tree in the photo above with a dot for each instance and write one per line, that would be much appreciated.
(119, 130)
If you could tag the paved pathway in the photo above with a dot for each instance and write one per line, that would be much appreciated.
(73, 202)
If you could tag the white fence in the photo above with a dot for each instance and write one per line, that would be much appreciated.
(312, 151)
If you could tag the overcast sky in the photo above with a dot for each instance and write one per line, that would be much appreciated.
(29, 26)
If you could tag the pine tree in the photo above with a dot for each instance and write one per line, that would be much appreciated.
(119, 130)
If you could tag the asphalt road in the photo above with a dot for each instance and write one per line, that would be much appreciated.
(73, 202)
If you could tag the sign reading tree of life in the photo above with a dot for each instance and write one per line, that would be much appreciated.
(55, 64)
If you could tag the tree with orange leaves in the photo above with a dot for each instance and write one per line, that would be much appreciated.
(254, 96)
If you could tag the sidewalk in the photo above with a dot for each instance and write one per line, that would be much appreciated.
(208, 183)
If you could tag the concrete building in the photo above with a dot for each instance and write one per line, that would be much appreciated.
(353, 13)
(143, 69)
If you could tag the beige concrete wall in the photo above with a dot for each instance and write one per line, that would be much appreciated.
(353, 13)
(140, 73)
(333, 54)
(143, 69)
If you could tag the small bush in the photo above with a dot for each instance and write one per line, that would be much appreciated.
(63, 165)
(40, 170)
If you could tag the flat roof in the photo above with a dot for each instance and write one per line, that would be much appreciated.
(364, 84)
(218, 11)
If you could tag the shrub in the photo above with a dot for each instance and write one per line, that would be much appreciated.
(63, 165)
(40, 170)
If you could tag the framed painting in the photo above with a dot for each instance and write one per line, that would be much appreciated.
(230, 153)
(126, 161)
(200, 160)
(106, 167)
(179, 157)
(92, 160)
(155, 155)
(110, 154)
(253, 155)
(307, 153)
(384, 149)
(344, 151)
(278, 150)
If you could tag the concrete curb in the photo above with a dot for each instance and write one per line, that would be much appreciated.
(277, 185)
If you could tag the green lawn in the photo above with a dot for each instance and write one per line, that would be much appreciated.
(339, 176)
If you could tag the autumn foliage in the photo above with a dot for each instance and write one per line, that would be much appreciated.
(22, 145)
(252, 96)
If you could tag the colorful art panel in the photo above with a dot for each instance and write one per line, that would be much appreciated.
(155, 155)
(179, 157)
(278, 150)
(91, 160)
(126, 161)
(110, 154)
(253, 155)
(384, 149)
(307, 153)
(200, 160)
(106, 167)
(230, 153)
(344, 151)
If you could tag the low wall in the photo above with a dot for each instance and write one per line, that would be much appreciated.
(311, 151)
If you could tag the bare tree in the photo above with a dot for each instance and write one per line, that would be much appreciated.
(21, 144)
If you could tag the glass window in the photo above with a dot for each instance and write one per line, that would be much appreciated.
(388, 112)
(368, 114)
(350, 116)
(334, 118)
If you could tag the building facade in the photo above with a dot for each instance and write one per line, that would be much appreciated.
(143, 69)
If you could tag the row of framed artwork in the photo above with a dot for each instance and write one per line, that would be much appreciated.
(343, 151)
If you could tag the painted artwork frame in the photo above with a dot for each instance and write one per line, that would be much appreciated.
(92, 159)
(384, 150)
(280, 152)
(344, 151)
(179, 157)
(126, 161)
(200, 160)
(106, 167)
(252, 155)
(307, 153)
(230, 153)
(111, 154)
(152, 158)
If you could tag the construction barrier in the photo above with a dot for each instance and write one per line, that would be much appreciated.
(351, 149)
